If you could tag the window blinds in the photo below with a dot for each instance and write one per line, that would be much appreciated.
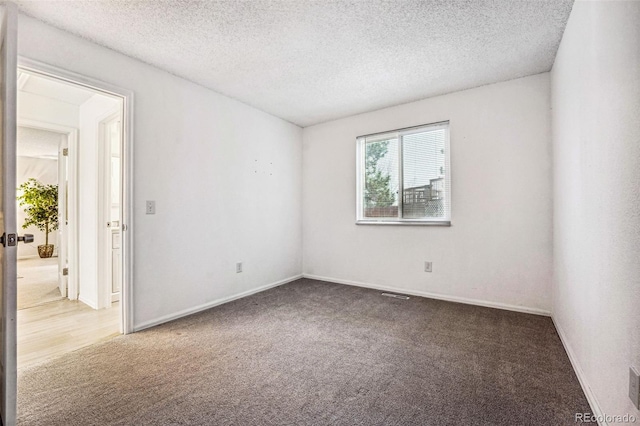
(405, 176)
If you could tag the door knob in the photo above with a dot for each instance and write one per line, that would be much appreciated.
(26, 238)
(12, 239)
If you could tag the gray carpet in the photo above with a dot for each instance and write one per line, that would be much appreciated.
(314, 353)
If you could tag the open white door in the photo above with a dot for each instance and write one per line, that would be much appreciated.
(8, 250)
(113, 192)
(110, 209)
(63, 215)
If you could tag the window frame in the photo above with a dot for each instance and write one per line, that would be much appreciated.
(360, 178)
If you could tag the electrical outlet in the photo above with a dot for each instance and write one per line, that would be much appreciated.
(634, 386)
(238, 267)
(151, 207)
(428, 266)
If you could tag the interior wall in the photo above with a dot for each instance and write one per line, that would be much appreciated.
(44, 109)
(41, 109)
(497, 251)
(226, 179)
(596, 134)
(45, 171)
(91, 113)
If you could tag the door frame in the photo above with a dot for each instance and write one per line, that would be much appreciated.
(127, 159)
(8, 275)
(63, 215)
(72, 161)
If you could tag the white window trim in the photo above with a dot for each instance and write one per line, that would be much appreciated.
(360, 158)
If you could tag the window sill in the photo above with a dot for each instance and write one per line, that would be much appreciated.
(405, 222)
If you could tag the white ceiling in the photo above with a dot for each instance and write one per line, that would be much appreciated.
(311, 61)
(53, 89)
(37, 143)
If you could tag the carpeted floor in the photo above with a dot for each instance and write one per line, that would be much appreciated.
(314, 353)
(37, 282)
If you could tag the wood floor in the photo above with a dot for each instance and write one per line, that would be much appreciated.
(54, 328)
(37, 282)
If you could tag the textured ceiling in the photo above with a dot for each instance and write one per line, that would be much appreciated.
(312, 61)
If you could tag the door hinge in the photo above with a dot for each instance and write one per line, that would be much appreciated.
(65, 271)
(65, 152)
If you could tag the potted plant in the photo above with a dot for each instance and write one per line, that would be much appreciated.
(41, 207)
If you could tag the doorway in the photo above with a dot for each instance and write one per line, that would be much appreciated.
(75, 135)
(38, 173)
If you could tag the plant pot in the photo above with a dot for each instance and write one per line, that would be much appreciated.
(45, 250)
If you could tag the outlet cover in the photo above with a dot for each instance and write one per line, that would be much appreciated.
(428, 266)
(238, 267)
(634, 386)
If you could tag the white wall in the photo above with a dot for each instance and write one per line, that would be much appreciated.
(91, 113)
(225, 177)
(47, 110)
(41, 109)
(498, 248)
(46, 171)
(596, 140)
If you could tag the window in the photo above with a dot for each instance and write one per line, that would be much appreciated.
(404, 176)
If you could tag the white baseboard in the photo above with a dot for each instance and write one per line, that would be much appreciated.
(591, 398)
(208, 305)
(34, 256)
(88, 302)
(30, 256)
(477, 302)
(593, 402)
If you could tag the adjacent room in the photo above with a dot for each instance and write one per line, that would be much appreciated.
(345, 213)
(65, 298)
